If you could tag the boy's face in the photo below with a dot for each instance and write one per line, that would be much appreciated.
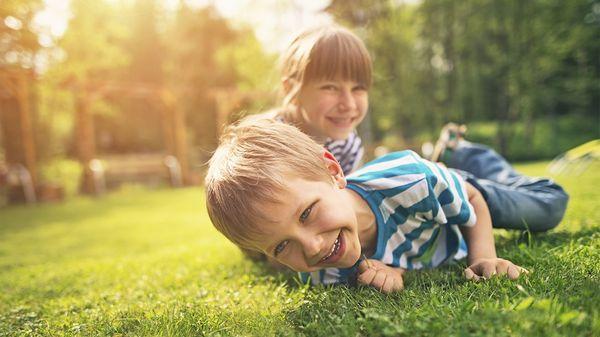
(313, 227)
(333, 108)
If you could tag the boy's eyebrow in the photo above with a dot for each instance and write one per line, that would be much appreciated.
(299, 210)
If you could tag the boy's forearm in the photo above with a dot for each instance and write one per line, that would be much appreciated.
(480, 237)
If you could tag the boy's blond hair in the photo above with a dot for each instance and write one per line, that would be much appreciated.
(324, 52)
(249, 168)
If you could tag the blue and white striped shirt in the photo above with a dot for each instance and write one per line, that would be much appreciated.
(418, 206)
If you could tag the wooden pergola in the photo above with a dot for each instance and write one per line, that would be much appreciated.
(17, 129)
(15, 118)
(172, 120)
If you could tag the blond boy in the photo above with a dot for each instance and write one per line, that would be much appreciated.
(272, 189)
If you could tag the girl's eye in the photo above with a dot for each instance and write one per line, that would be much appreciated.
(359, 87)
(306, 213)
(280, 247)
(329, 87)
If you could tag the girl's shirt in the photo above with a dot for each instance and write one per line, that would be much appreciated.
(348, 152)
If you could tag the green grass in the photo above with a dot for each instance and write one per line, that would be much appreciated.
(145, 263)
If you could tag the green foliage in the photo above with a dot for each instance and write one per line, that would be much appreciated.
(546, 137)
(509, 62)
(140, 263)
(63, 172)
(255, 71)
(93, 53)
(18, 38)
(191, 51)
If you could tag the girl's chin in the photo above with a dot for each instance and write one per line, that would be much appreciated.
(338, 134)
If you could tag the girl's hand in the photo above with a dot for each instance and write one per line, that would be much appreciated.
(380, 276)
(486, 268)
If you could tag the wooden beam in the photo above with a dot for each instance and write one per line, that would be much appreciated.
(85, 142)
(26, 125)
(166, 114)
(180, 141)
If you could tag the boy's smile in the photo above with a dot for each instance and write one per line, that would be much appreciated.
(316, 225)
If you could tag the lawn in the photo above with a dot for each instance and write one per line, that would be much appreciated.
(148, 262)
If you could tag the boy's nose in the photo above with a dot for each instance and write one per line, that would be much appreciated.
(312, 248)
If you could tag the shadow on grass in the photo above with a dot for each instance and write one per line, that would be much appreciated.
(552, 238)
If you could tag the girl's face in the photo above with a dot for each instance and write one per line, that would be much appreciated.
(332, 108)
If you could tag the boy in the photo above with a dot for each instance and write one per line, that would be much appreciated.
(272, 189)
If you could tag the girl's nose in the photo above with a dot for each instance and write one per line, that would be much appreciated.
(347, 101)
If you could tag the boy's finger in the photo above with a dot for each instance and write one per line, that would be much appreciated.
(398, 285)
(379, 280)
(470, 275)
(513, 272)
(399, 282)
(489, 270)
(366, 277)
(388, 285)
(364, 265)
(502, 267)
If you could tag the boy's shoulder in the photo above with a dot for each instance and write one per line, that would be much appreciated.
(400, 162)
(401, 169)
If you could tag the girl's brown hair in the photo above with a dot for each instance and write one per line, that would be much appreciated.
(325, 52)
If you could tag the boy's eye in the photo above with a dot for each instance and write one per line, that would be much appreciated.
(306, 213)
(280, 247)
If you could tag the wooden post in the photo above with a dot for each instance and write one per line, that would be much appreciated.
(175, 133)
(84, 136)
(168, 103)
(26, 125)
(225, 102)
(181, 152)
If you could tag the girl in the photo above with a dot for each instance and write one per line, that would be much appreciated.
(326, 76)
(325, 82)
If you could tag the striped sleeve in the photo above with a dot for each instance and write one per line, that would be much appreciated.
(450, 193)
(327, 276)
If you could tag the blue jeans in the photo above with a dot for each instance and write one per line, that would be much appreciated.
(515, 201)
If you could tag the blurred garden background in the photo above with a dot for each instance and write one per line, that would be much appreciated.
(129, 87)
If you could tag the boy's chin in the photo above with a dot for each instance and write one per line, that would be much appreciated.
(352, 259)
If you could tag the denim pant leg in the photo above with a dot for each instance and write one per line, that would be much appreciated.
(515, 201)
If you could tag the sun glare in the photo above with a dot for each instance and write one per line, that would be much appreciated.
(273, 21)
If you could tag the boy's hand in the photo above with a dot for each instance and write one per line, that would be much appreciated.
(486, 268)
(378, 275)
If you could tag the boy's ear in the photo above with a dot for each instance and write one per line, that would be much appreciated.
(334, 169)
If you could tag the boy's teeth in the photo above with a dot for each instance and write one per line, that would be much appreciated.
(334, 248)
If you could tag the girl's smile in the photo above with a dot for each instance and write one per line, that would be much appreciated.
(333, 108)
